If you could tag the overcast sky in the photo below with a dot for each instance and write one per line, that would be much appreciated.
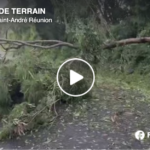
(3, 3)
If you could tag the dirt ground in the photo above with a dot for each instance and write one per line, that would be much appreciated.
(108, 120)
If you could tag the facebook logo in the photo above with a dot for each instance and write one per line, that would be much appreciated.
(139, 135)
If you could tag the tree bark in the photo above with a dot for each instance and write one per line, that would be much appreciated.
(126, 42)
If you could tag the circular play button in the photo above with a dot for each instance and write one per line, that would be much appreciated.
(75, 77)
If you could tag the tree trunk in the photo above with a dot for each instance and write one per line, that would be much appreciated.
(126, 42)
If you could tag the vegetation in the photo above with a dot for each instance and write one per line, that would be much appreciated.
(29, 92)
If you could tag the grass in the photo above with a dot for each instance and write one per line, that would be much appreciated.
(127, 81)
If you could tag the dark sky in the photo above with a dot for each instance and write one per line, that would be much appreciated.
(3, 3)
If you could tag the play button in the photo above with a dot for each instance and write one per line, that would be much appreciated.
(75, 77)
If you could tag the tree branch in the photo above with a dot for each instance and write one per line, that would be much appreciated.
(37, 44)
(48, 44)
(126, 42)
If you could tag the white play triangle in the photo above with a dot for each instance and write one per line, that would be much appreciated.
(75, 77)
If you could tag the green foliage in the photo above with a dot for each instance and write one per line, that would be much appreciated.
(88, 38)
(146, 31)
(4, 97)
(18, 111)
(6, 78)
(22, 114)
(124, 31)
(127, 58)
(35, 70)
(27, 32)
(6, 132)
(37, 76)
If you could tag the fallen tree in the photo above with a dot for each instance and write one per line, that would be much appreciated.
(49, 44)
(7, 44)
(126, 42)
(43, 44)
